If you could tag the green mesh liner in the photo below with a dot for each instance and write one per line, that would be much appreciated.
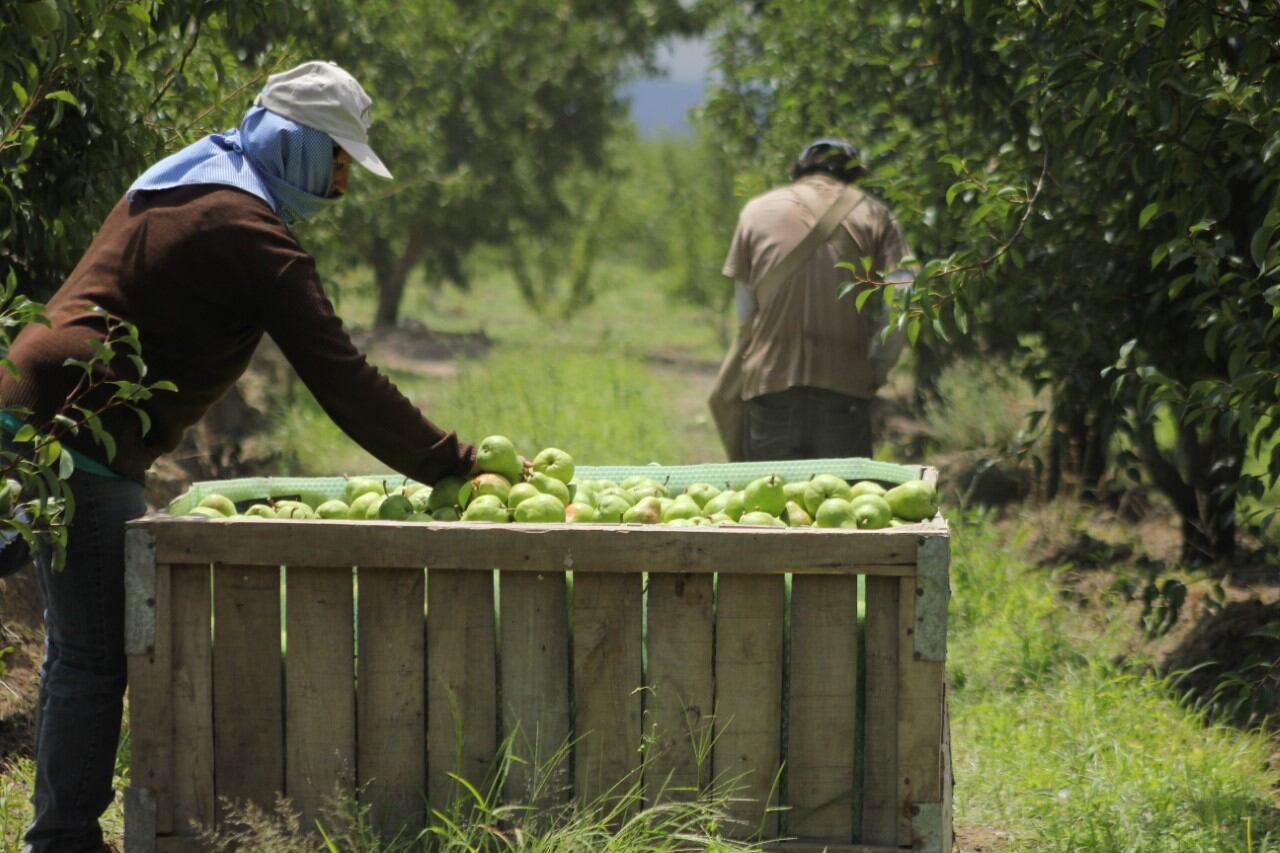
(313, 490)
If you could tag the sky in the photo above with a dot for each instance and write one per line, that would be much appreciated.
(660, 105)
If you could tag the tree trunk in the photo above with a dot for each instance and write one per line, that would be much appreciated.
(1197, 480)
(391, 278)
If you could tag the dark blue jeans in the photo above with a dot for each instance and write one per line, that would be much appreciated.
(807, 423)
(83, 678)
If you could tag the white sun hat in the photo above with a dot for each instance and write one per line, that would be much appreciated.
(323, 96)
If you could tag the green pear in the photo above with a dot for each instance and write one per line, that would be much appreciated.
(495, 454)
(795, 491)
(580, 513)
(610, 507)
(521, 492)
(701, 492)
(540, 509)
(682, 506)
(549, 485)
(357, 486)
(374, 509)
(554, 462)
(761, 518)
(221, 503)
(615, 491)
(721, 518)
(915, 500)
(834, 512)
(824, 486)
(866, 487)
(359, 507)
(583, 493)
(444, 493)
(261, 511)
(294, 509)
(446, 513)
(411, 489)
(871, 512)
(646, 511)
(764, 495)
(729, 502)
(333, 509)
(489, 484)
(395, 508)
(795, 516)
(647, 490)
(486, 508)
(421, 500)
(205, 512)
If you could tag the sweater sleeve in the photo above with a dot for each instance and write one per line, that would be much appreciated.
(366, 405)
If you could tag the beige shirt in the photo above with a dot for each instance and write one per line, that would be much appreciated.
(805, 335)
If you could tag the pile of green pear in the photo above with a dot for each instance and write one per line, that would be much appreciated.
(542, 491)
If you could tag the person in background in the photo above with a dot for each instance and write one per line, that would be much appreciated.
(200, 255)
(812, 363)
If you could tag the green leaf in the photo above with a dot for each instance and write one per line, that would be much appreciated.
(913, 330)
(65, 96)
(861, 299)
(1260, 243)
(66, 466)
(1147, 212)
(21, 94)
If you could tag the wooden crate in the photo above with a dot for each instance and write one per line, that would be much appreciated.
(282, 656)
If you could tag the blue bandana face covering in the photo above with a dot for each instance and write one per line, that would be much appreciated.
(286, 164)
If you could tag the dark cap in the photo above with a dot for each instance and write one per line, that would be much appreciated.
(835, 157)
(840, 146)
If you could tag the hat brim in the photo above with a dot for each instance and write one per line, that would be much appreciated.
(363, 154)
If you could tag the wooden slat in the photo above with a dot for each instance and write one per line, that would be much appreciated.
(461, 682)
(248, 708)
(533, 547)
(535, 685)
(920, 723)
(193, 797)
(320, 711)
(880, 784)
(747, 752)
(391, 700)
(823, 709)
(680, 694)
(151, 710)
(607, 681)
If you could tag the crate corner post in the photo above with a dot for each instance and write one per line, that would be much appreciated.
(147, 655)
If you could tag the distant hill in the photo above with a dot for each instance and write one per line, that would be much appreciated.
(660, 106)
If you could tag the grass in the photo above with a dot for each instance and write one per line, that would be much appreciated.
(602, 408)
(1067, 751)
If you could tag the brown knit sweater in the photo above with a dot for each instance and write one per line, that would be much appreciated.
(203, 271)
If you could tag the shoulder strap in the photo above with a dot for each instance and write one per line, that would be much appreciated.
(819, 234)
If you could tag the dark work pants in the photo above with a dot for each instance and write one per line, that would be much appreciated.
(807, 423)
(83, 677)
